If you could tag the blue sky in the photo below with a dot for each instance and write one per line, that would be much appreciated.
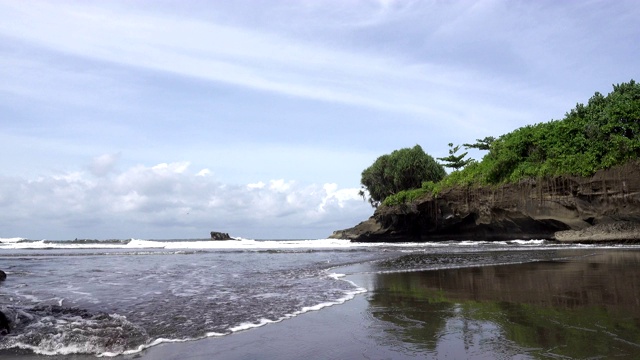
(169, 119)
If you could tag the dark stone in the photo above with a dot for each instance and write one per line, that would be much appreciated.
(531, 209)
(3, 275)
(4, 324)
(220, 236)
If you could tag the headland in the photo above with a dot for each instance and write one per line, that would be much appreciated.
(601, 207)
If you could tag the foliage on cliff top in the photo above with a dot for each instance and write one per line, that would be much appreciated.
(599, 135)
(603, 133)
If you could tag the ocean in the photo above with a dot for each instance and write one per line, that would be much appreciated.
(121, 297)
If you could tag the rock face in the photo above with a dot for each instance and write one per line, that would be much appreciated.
(532, 209)
(220, 236)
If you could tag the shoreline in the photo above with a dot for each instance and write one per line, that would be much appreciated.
(383, 321)
(255, 341)
(378, 323)
(274, 340)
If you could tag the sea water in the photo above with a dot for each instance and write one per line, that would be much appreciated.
(121, 296)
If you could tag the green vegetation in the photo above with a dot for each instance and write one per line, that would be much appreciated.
(454, 161)
(481, 144)
(603, 133)
(403, 169)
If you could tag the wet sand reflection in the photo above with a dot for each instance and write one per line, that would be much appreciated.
(584, 307)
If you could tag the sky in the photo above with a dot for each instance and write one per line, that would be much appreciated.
(171, 119)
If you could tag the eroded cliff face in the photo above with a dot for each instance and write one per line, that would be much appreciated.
(532, 209)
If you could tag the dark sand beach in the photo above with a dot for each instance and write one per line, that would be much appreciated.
(586, 305)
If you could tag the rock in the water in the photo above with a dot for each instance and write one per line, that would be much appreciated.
(220, 236)
(4, 324)
(3, 275)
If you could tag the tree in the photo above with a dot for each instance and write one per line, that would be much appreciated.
(403, 169)
(454, 161)
(481, 144)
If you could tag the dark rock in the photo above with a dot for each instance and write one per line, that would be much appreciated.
(220, 236)
(3, 275)
(4, 324)
(531, 209)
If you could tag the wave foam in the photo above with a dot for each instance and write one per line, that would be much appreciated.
(250, 244)
(11, 240)
(54, 330)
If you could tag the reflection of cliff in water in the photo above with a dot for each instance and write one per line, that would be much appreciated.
(582, 307)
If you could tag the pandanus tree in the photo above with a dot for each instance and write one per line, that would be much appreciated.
(403, 169)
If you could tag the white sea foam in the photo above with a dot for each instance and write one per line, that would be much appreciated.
(143, 347)
(348, 296)
(145, 244)
(214, 334)
(527, 242)
(179, 245)
(242, 244)
(336, 276)
(11, 240)
(69, 334)
(250, 325)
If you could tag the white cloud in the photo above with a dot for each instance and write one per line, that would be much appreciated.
(172, 168)
(166, 201)
(103, 164)
(258, 185)
(337, 197)
(280, 185)
(203, 172)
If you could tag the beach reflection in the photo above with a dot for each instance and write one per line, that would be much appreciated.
(585, 307)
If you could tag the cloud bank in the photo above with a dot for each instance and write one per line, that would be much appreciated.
(168, 200)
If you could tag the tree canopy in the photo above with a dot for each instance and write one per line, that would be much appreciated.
(599, 135)
(456, 162)
(481, 144)
(401, 170)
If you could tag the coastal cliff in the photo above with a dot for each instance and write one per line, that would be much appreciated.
(605, 206)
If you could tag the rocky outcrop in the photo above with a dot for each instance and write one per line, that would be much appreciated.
(531, 209)
(5, 327)
(620, 232)
(220, 236)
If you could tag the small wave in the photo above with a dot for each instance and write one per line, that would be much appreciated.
(87, 241)
(250, 325)
(55, 330)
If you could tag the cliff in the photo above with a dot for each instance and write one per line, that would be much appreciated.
(605, 206)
